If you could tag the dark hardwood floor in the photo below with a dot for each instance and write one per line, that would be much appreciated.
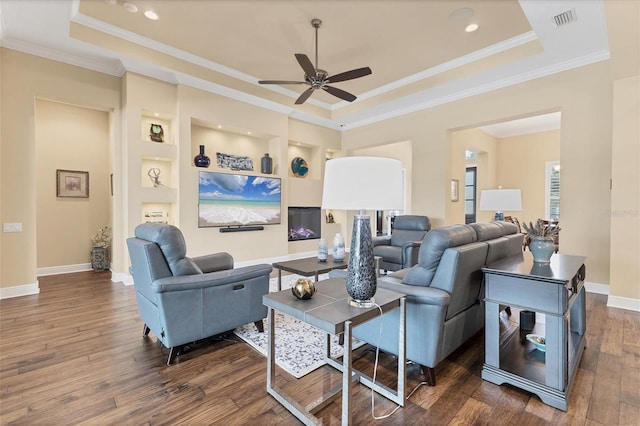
(74, 354)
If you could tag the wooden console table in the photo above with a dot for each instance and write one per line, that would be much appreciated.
(555, 290)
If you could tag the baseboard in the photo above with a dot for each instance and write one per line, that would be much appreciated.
(596, 288)
(613, 301)
(64, 269)
(623, 303)
(19, 290)
(126, 279)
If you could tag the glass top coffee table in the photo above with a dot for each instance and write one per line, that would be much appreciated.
(309, 266)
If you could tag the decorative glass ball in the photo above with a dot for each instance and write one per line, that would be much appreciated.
(303, 289)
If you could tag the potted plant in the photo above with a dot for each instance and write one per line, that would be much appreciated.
(99, 254)
(541, 236)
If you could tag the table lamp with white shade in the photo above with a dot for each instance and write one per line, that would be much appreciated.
(362, 183)
(500, 200)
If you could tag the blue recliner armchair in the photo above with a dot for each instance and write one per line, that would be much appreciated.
(183, 300)
(400, 249)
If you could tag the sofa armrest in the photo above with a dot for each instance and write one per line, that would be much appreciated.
(211, 279)
(416, 294)
(384, 240)
(410, 251)
(214, 262)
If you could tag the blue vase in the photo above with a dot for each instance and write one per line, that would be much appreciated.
(323, 250)
(266, 164)
(201, 160)
(338, 248)
(542, 248)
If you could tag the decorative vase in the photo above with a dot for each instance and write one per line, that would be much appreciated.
(542, 248)
(99, 259)
(201, 160)
(338, 248)
(266, 164)
(323, 251)
(362, 279)
(156, 133)
(303, 289)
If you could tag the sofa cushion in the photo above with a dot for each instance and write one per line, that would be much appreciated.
(433, 245)
(507, 227)
(487, 230)
(172, 244)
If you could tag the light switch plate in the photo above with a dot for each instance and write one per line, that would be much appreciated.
(12, 227)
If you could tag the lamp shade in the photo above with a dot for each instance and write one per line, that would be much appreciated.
(363, 183)
(501, 200)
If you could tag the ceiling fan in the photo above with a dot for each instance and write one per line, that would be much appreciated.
(318, 78)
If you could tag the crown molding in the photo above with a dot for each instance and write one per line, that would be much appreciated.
(429, 98)
(237, 95)
(129, 36)
(114, 68)
(444, 67)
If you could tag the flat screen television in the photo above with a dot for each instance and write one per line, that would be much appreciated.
(228, 199)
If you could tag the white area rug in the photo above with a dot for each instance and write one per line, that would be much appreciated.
(299, 347)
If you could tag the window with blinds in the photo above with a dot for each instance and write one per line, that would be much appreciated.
(552, 190)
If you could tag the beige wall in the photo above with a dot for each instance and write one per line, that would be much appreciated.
(521, 164)
(583, 95)
(625, 195)
(486, 163)
(25, 78)
(70, 138)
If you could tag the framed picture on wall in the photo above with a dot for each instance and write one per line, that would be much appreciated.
(454, 190)
(72, 183)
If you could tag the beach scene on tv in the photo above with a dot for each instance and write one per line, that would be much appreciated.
(231, 200)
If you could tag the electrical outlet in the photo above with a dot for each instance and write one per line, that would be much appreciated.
(12, 227)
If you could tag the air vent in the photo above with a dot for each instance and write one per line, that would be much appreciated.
(565, 18)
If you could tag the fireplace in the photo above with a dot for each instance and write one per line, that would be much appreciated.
(304, 223)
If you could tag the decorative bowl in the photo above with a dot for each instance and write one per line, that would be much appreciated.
(303, 289)
(538, 341)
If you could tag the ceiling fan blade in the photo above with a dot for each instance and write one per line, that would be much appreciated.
(281, 82)
(305, 95)
(340, 93)
(306, 64)
(349, 75)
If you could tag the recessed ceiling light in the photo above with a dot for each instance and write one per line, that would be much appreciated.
(219, 126)
(462, 14)
(150, 14)
(248, 133)
(471, 28)
(130, 7)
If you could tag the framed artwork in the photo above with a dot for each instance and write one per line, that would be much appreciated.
(72, 183)
(454, 190)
